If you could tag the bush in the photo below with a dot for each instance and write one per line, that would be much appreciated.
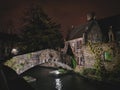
(89, 71)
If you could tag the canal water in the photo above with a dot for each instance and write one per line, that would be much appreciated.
(44, 81)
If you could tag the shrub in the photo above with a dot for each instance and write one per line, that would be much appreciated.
(89, 71)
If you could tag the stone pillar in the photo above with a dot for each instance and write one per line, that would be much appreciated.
(111, 35)
(84, 39)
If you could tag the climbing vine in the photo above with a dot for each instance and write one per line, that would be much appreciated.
(98, 52)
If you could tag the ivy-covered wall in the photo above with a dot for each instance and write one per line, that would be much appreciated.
(101, 57)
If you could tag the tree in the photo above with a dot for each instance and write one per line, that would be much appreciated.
(39, 31)
(72, 57)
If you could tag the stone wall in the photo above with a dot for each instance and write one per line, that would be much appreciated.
(89, 57)
(97, 51)
(22, 63)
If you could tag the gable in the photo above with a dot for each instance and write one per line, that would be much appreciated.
(94, 33)
(95, 29)
(78, 32)
(91, 31)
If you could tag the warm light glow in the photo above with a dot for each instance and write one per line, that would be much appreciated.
(14, 51)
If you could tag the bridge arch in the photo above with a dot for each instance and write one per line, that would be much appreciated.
(24, 62)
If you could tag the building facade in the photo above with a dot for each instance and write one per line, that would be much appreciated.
(91, 32)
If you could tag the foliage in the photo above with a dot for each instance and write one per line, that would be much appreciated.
(70, 53)
(74, 63)
(89, 71)
(39, 31)
(29, 78)
(12, 63)
(99, 66)
(114, 75)
(102, 70)
(62, 71)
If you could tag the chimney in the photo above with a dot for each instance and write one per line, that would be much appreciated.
(91, 16)
(72, 26)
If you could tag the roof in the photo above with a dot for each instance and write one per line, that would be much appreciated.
(78, 31)
(102, 23)
(110, 21)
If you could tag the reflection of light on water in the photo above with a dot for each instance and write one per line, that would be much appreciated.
(58, 83)
(55, 72)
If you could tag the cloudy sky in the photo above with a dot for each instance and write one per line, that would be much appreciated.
(65, 12)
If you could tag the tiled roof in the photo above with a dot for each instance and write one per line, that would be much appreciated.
(102, 23)
(78, 31)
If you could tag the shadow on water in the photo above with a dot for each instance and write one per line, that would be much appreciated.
(68, 82)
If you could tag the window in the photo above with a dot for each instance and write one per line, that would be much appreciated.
(79, 44)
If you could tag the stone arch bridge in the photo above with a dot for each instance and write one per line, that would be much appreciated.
(48, 58)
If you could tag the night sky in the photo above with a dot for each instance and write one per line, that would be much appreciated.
(64, 12)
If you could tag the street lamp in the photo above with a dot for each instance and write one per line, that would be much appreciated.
(14, 51)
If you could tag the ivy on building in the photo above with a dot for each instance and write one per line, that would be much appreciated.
(99, 65)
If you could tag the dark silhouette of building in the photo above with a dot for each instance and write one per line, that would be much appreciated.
(105, 24)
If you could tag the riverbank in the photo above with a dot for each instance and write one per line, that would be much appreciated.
(102, 63)
(89, 75)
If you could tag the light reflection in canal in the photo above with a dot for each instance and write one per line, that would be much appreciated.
(58, 84)
(68, 82)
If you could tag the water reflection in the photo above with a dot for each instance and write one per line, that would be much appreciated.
(58, 84)
(68, 82)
